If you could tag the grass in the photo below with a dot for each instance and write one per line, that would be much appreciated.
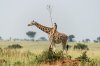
(26, 55)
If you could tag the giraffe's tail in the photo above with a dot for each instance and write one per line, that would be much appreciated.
(67, 47)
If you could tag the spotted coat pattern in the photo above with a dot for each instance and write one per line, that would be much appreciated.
(56, 38)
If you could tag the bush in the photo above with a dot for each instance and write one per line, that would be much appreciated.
(83, 57)
(85, 60)
(81, 46)
(50, 57)
(17, 63)
(14, 46)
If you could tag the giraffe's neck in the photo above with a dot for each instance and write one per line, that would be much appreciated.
(43, 28)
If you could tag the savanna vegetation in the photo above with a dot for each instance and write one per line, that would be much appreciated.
(35, 53)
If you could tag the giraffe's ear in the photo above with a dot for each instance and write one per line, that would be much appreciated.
(54, 22)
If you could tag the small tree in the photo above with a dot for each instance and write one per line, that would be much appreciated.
(87, 40)
(81, 46)
(31, 34)
(98, 39)
(70, 37)
(43, 39)
(95, 41)
(0, 38)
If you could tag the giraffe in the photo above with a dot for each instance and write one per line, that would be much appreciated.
(55, 37)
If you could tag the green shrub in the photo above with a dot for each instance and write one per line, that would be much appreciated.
(14, 46)
(86, 61)
(81, 46)
(83, 57)
(50, 57)
(17, 63)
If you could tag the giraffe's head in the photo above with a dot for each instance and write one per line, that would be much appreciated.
(32, 23)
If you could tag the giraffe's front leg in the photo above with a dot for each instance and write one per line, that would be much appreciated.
(52, 47)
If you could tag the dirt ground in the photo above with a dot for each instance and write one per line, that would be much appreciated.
(65, 62)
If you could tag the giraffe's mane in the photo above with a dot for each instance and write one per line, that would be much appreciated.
(43, 28)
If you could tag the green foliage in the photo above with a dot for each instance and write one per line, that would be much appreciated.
(31, 34)
(98, 39)
(14, 46)
(29, 56)
(17, 63)
(86, 61)
(87, 40)
(49, 56)
(0, 38)
(42, 39)
(81, 46)
(83, 57)
(70, 37)
(95, 41)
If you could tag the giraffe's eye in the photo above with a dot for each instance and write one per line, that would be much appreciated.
(33, 23)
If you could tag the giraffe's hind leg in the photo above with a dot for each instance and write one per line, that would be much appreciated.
(65, 47)
(65, 44)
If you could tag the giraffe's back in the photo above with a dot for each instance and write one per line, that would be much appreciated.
(59, 37)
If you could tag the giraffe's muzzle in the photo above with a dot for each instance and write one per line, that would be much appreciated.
(28, 25)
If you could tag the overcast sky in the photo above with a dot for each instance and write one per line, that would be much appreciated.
(78, 17)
